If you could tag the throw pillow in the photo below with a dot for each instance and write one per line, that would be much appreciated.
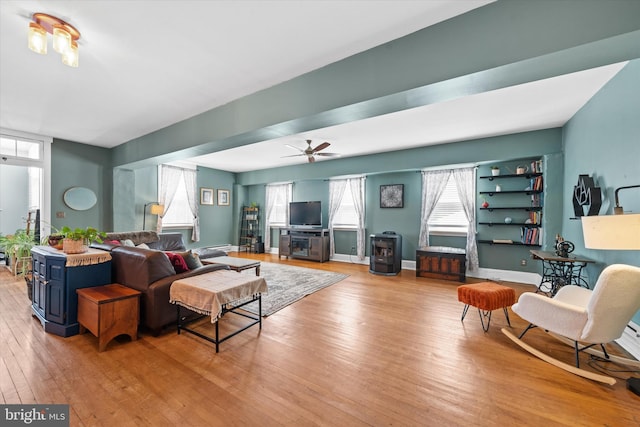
(179, 264)
(127, 242)
(113, 242)
(192, 259)
(143, 246)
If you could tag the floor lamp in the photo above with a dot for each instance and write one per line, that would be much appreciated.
(156, 209)
(614, 232)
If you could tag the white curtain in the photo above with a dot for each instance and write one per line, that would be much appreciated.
(169, 179)
(357, 191)
(336, 192)
(433, 184)
(275, 194)
(190, 180)
(465, 179)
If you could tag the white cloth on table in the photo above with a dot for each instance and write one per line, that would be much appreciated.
(208, 293)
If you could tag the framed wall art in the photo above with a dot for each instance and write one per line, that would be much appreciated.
(392, 196)
(223, 198)
(206, 196)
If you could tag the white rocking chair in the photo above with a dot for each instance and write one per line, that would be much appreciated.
(578, 315)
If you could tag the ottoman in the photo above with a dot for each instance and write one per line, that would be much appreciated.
(486, 297)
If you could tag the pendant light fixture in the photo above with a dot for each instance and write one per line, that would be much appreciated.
(65, 37)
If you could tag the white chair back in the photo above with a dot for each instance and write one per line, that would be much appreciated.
(615, 300)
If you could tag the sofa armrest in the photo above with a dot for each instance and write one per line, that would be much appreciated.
(204, 253)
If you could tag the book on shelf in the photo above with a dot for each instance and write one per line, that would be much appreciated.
(502, 241)
(536, 166)
(531, 236)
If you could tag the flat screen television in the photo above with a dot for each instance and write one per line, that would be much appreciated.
(305, 214)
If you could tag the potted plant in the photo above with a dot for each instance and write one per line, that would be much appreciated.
(17, 248)
(76, 240)
(495, 170)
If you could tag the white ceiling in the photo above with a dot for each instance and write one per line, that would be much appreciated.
(145, 66)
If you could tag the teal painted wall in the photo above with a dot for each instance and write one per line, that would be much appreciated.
(81, 165)
(603, 140)
(216, 222)
(509, 149)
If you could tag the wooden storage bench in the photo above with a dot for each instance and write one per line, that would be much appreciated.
(440, 262)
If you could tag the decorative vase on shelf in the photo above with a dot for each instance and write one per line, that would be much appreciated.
(485, 204)
(495, 171)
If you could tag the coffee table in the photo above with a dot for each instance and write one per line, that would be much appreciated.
(235, 264)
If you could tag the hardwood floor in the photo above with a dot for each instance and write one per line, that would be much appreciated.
(369, 350)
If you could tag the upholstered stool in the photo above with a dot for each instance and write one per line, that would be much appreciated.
(486, 297)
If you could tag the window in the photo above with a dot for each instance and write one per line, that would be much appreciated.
(278, 198)
(346, 216)
(20, 148)
(178, 213)
(448, 217)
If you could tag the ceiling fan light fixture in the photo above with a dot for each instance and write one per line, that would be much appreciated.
(37, 38)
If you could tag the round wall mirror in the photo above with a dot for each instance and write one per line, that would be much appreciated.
(80, 198)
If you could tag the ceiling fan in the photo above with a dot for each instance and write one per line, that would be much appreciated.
(312, 152)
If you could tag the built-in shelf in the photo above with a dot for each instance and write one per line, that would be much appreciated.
(491, 242)
(522, 224)
(515, 208)
(522, 175)
(527, 192)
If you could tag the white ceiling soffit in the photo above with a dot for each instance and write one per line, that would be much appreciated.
(146, 65)
(537, 105)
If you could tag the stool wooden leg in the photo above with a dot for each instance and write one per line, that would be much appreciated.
(464, 311)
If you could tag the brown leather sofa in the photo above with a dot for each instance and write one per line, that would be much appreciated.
(150, 272)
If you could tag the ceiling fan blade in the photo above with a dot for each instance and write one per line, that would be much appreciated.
(312, 159)
(295, 148)
(321, 147)
(327, 154)
(294, 155)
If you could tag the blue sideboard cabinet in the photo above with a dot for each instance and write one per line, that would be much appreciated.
(55, 302)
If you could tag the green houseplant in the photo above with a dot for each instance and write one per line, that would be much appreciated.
(17, 247)
(76, 240)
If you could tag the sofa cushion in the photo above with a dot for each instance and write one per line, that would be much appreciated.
(178, 262)
(192, 259)
(136, 236)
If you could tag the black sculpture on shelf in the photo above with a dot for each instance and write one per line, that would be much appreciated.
(586, 194)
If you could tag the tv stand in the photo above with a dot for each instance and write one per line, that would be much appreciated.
(304, 243)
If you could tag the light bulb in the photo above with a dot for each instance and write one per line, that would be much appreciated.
(70, 56)
(61, 40)
(37, 38)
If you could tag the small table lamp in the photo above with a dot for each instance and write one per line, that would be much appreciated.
(156, 209)
(612, 232)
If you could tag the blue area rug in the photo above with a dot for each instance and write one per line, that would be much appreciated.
(287, 284)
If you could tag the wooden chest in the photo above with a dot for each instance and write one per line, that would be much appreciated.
(439, 262)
